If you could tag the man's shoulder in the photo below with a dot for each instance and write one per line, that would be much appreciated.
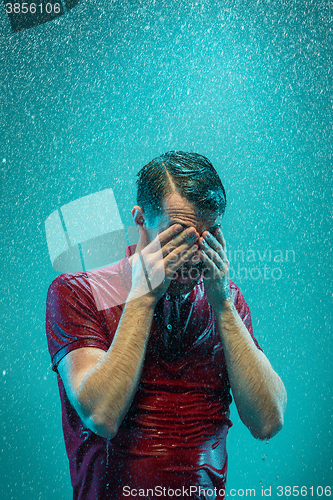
(87, 281)
(68, 278)
(83, 276)
(233, 286)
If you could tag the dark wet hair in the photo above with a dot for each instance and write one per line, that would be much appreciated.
(190, 174)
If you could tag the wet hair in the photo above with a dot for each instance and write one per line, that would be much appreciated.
(189, 174)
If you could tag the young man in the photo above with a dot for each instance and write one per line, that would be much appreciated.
(145, 379)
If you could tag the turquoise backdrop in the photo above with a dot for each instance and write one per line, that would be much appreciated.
(89, 98)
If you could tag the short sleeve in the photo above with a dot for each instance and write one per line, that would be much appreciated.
(72, 319)
(243, 310)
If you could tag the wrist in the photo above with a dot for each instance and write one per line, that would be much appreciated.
(226, 306)
(147, 301)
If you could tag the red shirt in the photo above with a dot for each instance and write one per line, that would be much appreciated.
(174, 434)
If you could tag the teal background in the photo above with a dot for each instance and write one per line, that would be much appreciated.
(89, 98)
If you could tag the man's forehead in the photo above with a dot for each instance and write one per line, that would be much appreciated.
(178, 210)
(204, 220)
(209, 220)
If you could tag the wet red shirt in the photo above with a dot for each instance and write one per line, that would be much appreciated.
(172, 442)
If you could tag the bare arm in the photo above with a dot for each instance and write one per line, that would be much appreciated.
(258, 391)
(101, 386)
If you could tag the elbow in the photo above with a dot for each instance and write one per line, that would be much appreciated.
(103, 426)
(98, 420)
(272, 420)
(271, 423)
(268, 430)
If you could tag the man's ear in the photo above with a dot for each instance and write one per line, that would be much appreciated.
(139, 216)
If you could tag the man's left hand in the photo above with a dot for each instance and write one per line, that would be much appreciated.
(213, 254)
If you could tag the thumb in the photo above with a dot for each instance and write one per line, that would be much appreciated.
(144, 235)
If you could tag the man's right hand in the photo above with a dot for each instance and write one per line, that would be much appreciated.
(155, 266)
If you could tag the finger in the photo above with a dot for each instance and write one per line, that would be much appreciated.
(210, 257)
(211, 241)
(170, 257)
(219, 236)
(160, 240)
(210, 270)
(175, 259)
(212, 249)
(211, 244)
(170, 233)
(144, 235)
(181, 242)
(214, 262)
(173, 237)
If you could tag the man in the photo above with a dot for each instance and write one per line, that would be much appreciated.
(145, 385)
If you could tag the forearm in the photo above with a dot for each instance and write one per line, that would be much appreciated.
(107, 390)
(258, 391)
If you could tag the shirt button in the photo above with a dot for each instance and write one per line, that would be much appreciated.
(167, 296)
(169, 327)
